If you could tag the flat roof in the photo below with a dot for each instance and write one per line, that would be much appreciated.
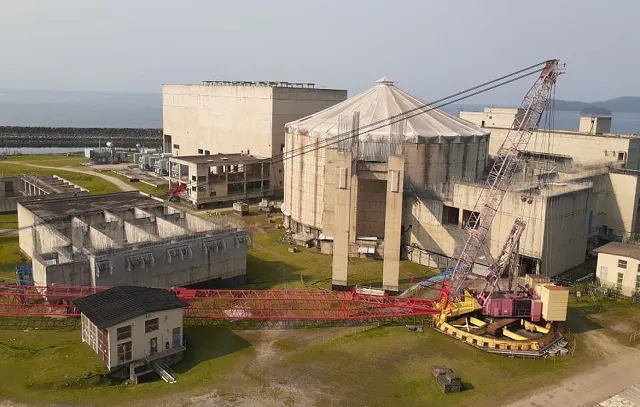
(217, 158)
(88, 203)
(620, 249)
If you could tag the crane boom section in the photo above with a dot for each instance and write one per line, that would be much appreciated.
(500, 177)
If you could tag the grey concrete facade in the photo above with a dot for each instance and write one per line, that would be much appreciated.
(128, 238)
(25, 188)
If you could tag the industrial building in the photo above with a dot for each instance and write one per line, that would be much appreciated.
(128, 238)
(611, 162)
(230, 117)
(135, 327)
(31, 187)
(408, 191)
(219, 178)
(618, 267)
(352, 192)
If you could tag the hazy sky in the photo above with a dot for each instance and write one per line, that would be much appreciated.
(431, 47)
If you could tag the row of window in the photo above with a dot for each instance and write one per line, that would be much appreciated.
(150, 325)
(623, 265)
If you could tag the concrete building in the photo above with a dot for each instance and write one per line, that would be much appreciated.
(591, 144)
(27, 188)
(349, 196)
(127, 238)
(229, 117)
(220, 178)
(611, 162)
(619, 267)
(135, 327)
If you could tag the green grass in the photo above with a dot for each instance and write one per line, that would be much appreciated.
(142, 187)
(270, 265)
(391, 367)
(56, 367)
(617, 318)
(94, 184)
(8, 220)
(52, 160)
(9, 256)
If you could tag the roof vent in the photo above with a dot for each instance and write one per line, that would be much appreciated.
(385, 80)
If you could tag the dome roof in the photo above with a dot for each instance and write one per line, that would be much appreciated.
(383, 100)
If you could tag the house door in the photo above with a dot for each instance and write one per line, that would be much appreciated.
(153, 345)
(176, 337)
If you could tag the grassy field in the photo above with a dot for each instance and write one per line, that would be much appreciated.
(147, 189)
(9, 256)
(52, 160)
(94, 184)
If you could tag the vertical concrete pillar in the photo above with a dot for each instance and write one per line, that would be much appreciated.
(245, 179)
(343, 168)
(393, 223)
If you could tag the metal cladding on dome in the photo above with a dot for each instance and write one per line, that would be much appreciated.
(383, 100)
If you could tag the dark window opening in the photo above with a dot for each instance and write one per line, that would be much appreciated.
(200, 151)
(123, 332)
(151, 325)
(620, 156)
(282, 147)
(207, 152)
(176, 146)
(450, 215)
(470, 219)
(482, 124)
(124, 352)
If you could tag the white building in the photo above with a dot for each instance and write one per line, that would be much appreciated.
(619, 267)
(135, 327)
(232, 117)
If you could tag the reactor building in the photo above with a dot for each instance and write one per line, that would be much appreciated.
(408, 189)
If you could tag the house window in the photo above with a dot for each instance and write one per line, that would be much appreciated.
(124, 352)
(619, 282)
(151, 325)
(200, 151)
(450, 215)
(207, 152)
(123, 332)
(622, 264)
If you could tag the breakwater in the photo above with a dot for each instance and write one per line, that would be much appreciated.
(17, 137)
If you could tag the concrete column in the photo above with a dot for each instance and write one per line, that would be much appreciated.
(343, 170)
(353, 235)
(393, 223)
(245, 180)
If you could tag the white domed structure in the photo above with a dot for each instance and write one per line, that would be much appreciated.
(438, 148)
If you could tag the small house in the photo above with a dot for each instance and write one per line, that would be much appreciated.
(619, 267)
(135, 327)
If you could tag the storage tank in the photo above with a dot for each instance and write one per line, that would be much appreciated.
(439, 148)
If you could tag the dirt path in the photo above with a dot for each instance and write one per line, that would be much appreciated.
(620, 370)
(115, 181)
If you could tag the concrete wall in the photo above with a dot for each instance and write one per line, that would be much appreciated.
(200, 266)
(140, 340)
(621, 212)
(491, 117)
(608, 271)
(556, 231)
(72, 273)
(370, 218)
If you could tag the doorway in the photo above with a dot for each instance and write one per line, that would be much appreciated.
(153, 345)
(528, 265)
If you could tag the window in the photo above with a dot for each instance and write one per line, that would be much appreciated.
(638, 280)
(200, 151)
(212, 193)
(621, 156)
(622, 264)
(123, 332)
(207, 152)
(124, 352)
(282, 148)
(176, 146)
(151, 325)
(450, 215)
(619, 282)
(482, 124)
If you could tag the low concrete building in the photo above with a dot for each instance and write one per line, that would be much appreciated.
(28, 187)
(619, 267)
(221, 178)
(135, 327)
(128, 238)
